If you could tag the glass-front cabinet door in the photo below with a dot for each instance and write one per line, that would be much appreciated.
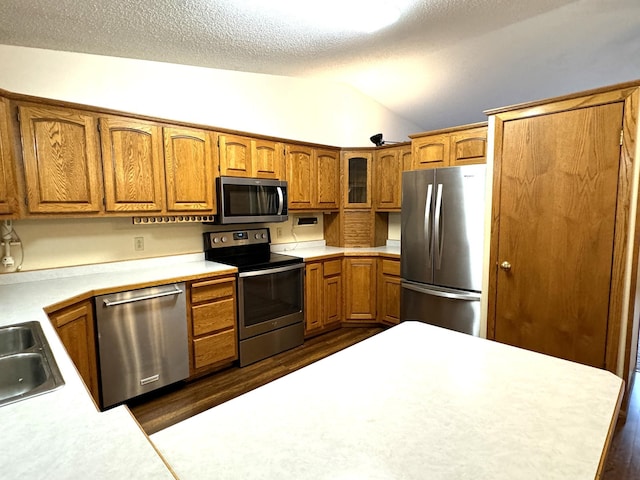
(357, 181)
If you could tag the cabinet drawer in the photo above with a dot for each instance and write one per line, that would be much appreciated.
(210, 317)
(332, 267)
(212, 290)
(391, 267)
(214, 348)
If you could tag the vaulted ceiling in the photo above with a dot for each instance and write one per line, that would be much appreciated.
(441, 64)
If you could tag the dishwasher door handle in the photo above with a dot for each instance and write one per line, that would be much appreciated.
(113, 303)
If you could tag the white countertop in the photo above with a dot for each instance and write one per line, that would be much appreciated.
(413, 402)
(61, 434)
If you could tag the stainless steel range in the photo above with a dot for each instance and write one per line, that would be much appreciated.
(270, 292)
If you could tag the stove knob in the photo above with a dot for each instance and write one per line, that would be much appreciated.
(257, 236)
(216, 239)
(264, 235)
(224, 239)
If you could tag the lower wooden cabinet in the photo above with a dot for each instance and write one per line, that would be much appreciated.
(360, 289)
(212, 324)
(389, 291)
(323, 296)
(75, 327)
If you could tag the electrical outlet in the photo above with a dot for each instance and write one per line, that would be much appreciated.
(278, 232)
(138, 244)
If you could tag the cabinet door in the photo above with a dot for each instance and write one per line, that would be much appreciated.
(558, 177)
(301, 177)
(235, 154)
(332, 300)
(313, 297)
(189, 170)
(75, 327)
(387, 179)
(327, 175)
(360, 289)
(133, 165)
(268, 159)
(8, 186)
(389, 292)
(468, 147)
(357, 179)
(61, 160)
(431, 151)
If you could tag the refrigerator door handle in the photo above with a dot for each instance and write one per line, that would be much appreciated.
(438, 228)
(469, 296)
(427, 223)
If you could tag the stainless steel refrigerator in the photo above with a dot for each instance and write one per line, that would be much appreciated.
(442, 234)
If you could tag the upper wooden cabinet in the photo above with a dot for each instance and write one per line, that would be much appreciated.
(268, 159)
(388, 165)
(464, 145)
(132, 164)
(189, 161)
(61, 160)
(313, 176)
(9, 203)
(356, 167)
(247, 157)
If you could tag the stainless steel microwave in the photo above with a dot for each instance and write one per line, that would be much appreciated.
(251, 200)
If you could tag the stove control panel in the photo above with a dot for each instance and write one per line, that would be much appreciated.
(237, 238)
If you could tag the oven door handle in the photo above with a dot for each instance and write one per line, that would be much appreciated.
(269, 271)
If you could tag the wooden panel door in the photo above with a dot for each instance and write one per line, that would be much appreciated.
(189, 170)
(268, 159)
(387, 176)
(301, 177)
(468, 147)
(431, 151)
(8, 185)
(75, 327)
(133, 165)
(61, 160)
(360, 291)
(313, 297)
(236, 156)
(558, 190)
(389, 292)
(332, 292)
(327, 178)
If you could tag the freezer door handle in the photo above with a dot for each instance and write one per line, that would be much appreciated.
(438, 228)
(468, 296)
(427, 223)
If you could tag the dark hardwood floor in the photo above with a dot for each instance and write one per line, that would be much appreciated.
(166, 407)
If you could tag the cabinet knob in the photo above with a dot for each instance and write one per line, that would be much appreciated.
(506, 266)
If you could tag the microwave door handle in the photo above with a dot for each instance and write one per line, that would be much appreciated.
(280, 200)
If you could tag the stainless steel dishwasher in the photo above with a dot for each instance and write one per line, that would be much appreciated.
(142, 341)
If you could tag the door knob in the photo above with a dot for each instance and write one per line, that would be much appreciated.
(506, 266)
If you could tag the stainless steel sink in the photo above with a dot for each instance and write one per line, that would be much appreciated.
(27, 366)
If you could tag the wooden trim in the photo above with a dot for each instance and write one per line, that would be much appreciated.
(571, 102)
(610, 433)
(449, 129)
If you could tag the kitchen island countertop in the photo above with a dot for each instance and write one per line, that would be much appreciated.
(413, 402)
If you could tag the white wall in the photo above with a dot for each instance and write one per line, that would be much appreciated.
(297, 109)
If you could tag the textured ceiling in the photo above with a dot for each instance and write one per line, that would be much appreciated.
(441, 64)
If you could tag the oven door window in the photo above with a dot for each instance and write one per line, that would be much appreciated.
(272, 296)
